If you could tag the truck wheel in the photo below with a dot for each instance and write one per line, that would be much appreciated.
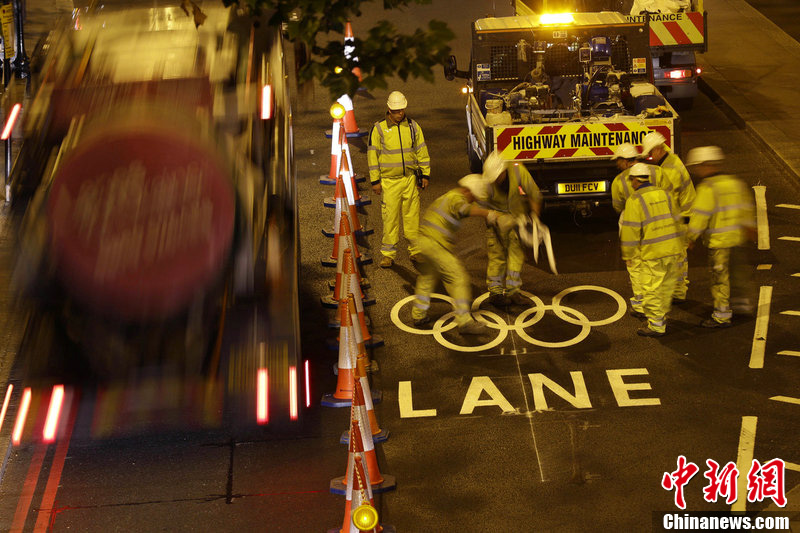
(475, 163)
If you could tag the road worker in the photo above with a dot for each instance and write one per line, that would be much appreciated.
(677, 182)
(723, 214)
(399, 165)
(436, 241)
(651, 229)
(512, 191)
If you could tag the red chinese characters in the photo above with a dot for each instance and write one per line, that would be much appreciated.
(678, 479)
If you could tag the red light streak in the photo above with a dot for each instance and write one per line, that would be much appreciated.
(53, 414)
(262, 396)
(12, 118)
(293, 392)
(5, 404)
(308, 385)
(24, 405)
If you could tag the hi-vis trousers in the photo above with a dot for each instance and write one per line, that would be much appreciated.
(658, 277)
(506, 257)
(399, 195)
(719, 262)
(441, 263)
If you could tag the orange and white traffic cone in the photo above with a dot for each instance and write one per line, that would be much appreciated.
(337, 134)
(363, 337)
(350, 126)
(347, 280)
(348, 352)
(343, 206)
(346, 176)
(350, 48)
(360, 440)
(344, 239)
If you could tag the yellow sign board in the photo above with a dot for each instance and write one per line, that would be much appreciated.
(7, 20)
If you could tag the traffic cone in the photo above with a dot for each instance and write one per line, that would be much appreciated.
(362, 335)
(343, 395)
(346, 176)
(360, 442)
(337, 133)
(350, 126)
(344, 239)
(350, 48)
(358, 317)
(347, 280)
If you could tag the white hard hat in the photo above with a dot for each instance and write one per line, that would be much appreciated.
(476, 185)
(493, 167)
(651, 140)
(626, 151)
(640, 170)
(396, 101)
(704, 154)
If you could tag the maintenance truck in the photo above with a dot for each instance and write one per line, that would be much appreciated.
(558, 94)
(676, 35)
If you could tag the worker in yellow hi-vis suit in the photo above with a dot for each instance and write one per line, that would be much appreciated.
(436, 242)
(513, 191)
(723, 214)
(678, 184)
(396, 150)
(650, 228)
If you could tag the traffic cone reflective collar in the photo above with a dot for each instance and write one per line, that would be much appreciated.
(344, 238)
(361, 443)
(349, 287)
(346, 175)
(343, 395)
(348, 280)
(350, 126)
(337, 132)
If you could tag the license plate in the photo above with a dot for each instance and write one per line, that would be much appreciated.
(582, 187)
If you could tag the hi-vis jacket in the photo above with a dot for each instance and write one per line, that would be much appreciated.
(391, 153)
(721, 212)
(443, 218)
(650, 224)
(514, 202)
(677, 183)
(621, 187)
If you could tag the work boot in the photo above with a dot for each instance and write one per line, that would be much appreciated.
(497, 300)
(711, 323)
(519, 299)
(417, 259)
(387, 262)
(421, 321)
(647, 332)
(474, 328)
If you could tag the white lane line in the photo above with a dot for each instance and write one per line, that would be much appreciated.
(761, 217)
(764, 267)
(789, 206)
(795, 239)
(762, 324)
(786, 399)
(791, 313)
(792, 466)
(789, 352)
(744, 458)
(796, 274)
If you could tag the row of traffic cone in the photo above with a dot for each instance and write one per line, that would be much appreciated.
(362, 475)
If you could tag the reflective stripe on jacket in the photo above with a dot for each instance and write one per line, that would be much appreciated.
(650, 224)
(677, 183)
(443, 218)
(721, 212)
(390, 153)
(514, 202)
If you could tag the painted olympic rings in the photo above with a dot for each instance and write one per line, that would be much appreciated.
(524, 320)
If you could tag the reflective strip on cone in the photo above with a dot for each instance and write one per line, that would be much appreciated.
(350, 125)
(347, 355)
(361, 436)
(336, 147)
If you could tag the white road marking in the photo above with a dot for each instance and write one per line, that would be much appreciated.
(791, 313)
(406, 403)
(744, 459)
(764, 267)
(789, 352)
(795, 239)
(796, 274)
(789, 206)
(786, 399)
(792, 466)
(761, 217)
(762, 324)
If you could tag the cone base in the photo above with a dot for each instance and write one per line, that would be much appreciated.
(330, 201)
(332, 303)
(325, 179)
(329, 400)
(350, 135)
(335, 324)
(375, 341)
(332, 285)
(365, 259)
(386, 528)
(359, 232)
(389, 483)
(383, 436)
(372, 367)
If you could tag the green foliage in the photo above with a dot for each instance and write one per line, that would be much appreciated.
(383, 53)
